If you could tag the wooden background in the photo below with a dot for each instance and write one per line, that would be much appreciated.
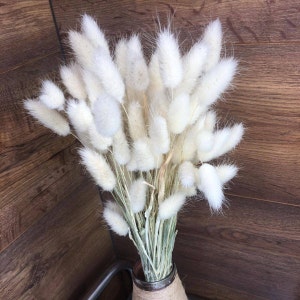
(52, 241)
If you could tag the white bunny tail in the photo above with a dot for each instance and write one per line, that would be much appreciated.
(80, 115)
(159, 135)
(225, 140)
(136, 122)
(213, 39)
(193, 63)
(142, 158)
(98, 168)
(50, 118)
(214, 83)
(210, 120)
(205, 141)
(226, 172)
(186, 174)
(121, 57)
(121, 149)
(178, 114)
(137, 71)
(82, 48)
(211, 186)
(169, 59)
(98, 141)
(107, 115)
(171, 206)
(156, 83)
(137, 195)
(92, 31)
(113, 217)
(93, 86)
(51, 95)
(71, 78)
(109, 75)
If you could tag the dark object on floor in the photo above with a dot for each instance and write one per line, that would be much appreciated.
(105, 279)
(190, 297)
(114, 269)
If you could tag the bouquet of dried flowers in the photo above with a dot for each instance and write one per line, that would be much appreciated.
(147, 129)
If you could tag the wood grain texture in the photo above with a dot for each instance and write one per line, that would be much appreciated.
(253, 251)
(16, 42)
(26, 200)
(244, 21)
(29, 152)
(52, 242)
(19, 154)
(67, 247)
(266, 99)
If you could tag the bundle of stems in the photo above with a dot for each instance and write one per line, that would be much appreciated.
(147, 128)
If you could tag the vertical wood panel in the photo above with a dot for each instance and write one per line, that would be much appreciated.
(21, 23)
(52, 242)
(66, 248)
(25, 145)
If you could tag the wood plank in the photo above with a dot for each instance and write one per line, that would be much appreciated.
(25, 82)
(51, 239)
(253, 249)
(65, 248)
(20, 157)
(266, 99)
(25, 201)
(250, 272)
(27, 150)
(27, 31)
(29, 154)
(215, 291)
(244, 21)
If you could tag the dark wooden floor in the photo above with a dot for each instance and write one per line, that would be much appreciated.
(50, 230)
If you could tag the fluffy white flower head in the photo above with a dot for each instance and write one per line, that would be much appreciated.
(113, 217)
(137, 195)
(52, 96)
(137, 70)
(71, 77)
(209, 183)
(108, 74)
(80, 115)
(169, 59)
(171, 206)
(107, 115)
(92, 31)
(50, 118)
(98, 168)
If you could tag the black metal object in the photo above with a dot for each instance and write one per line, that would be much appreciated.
(105, 279)
(138, 273)
(190, 297)
(121, 265)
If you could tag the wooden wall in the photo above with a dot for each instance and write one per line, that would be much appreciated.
(50, 232)
(252, 251)
(52, 242)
